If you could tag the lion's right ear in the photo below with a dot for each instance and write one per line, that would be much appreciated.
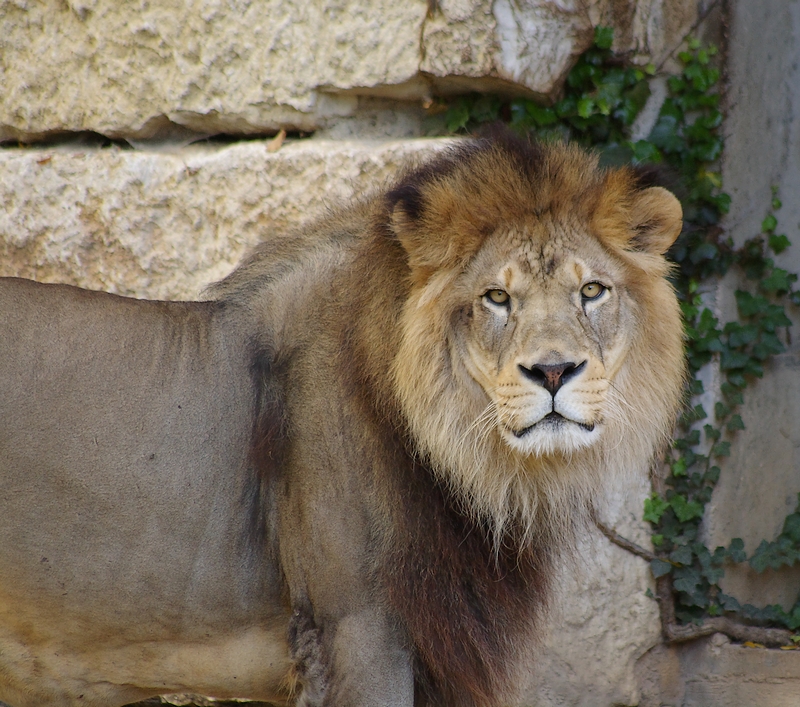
(656, 219)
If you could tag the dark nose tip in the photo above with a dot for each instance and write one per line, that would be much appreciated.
(552, 375)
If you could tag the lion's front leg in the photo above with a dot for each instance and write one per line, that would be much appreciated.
(354, 661)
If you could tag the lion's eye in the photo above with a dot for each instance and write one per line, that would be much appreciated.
(498, 296)
(592, 290)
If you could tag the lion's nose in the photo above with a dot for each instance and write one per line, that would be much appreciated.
(552, 375)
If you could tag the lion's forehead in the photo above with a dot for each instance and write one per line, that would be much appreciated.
(562, 258)
(542, 247)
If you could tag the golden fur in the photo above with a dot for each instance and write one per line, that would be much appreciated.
(393, 297)
(574, 213)
(353, 469)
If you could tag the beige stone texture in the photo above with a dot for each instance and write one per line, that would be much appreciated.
(244, 66)
(761, 479)
(713, 672)
(760, 483)
(174, 68)
(534, 44)
(165, 225)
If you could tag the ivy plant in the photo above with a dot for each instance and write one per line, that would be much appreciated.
(602, 97)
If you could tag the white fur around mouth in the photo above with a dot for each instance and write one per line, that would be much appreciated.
(551, 419)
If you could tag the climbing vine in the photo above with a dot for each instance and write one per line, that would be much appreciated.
(602, 98)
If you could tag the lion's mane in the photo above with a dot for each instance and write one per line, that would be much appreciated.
(466, 527)
(465, 195)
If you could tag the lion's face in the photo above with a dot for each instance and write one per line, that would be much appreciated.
(541, 330)
(541, 343)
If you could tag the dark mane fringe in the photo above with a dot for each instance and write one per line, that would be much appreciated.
(527, 155)
(408, 189)
(469, 611)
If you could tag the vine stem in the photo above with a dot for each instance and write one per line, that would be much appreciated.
(674, 632)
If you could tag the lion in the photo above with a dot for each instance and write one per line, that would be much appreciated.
(345, 476)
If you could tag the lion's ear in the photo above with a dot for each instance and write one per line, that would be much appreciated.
(423, 252)
(656, 220)
(432, 236)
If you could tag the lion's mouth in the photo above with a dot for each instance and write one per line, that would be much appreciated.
(552, 419)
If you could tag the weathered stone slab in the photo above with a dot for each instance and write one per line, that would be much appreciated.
(714, 672)
(138, 70)
(165, 225)
(125, 69)
(760, 482)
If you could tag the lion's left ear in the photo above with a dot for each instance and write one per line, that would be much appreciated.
(656, 219)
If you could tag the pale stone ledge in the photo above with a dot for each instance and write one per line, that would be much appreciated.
(138, 70)
(713, 672)
(164, 225)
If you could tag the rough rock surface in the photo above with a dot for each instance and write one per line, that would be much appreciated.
(162, 225)
(144, 70)
(760, 481)
(714, 672)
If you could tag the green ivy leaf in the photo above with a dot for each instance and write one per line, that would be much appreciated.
(688, 580)
(778, 243)
(644, 151)
(586, 107)
(728, 603)
(769, 223)
(682, 555)
(542, 116)
(736, 550)
(660, 567)
(685, 510)
(712, 475)
(735, 424)
(778, 281)
(721, 449)
(457, 116)
(603, 37)
(654, 508)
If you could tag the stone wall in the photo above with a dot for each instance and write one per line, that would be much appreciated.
(761, 479)
(153, 215)
(157, 70)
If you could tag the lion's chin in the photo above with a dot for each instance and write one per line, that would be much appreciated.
(552, 434)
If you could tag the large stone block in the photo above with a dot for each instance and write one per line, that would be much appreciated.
(164, 225)
(714, 672)
(143, 70)
(760, 483)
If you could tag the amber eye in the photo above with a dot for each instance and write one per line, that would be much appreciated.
(592, 290)
(498, 296)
